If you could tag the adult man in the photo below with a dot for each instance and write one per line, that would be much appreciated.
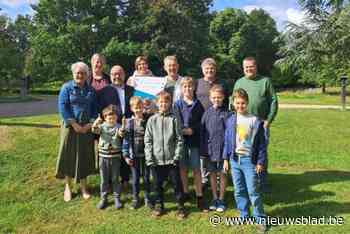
(262, 100)
(118, 93)
(172, 86)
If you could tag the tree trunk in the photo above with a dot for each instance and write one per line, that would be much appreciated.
(323, 87)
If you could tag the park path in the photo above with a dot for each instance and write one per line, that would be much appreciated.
(48, 105)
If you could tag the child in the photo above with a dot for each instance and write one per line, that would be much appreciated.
(212, 145)
(245, 147)
(163, 150)
(189, 111)
(110, 151)
(133, 151)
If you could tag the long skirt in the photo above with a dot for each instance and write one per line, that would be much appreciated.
(76, 156)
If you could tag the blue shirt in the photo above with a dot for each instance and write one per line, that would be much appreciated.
(213, 133)
(76, 103)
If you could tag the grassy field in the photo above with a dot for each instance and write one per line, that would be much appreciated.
(310, 176)
(312, 97)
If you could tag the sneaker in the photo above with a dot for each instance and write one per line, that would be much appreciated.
(181, 213)
(220, 206)
(186, 197)
(149, 203)
(201, 205)
(262, 228)
(117, 203)
(213, 205)
(158, 211)
(135, 204)
(102, 204)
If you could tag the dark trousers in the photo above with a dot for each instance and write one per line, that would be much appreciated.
(139, 169)
(161, 173)
(124, 171)
(109, 173)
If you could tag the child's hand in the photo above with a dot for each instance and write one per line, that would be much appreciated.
(120, 132)
(187, 131)
(259, 168)
(129, 161)
(99, 120)
(226, 167)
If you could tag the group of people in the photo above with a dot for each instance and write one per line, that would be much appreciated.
(189, 126)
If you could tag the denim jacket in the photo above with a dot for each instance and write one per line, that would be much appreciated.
(77, 104)
(259, 153)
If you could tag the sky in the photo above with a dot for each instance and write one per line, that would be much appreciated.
(281, 10)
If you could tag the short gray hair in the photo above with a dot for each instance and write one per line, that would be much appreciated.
(82, 65)
(208, 61)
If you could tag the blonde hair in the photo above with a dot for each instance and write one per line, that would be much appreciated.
(98, 56)
(134, 101)
(240, 93)
(139, 59)
(187, 80)
(170, 58)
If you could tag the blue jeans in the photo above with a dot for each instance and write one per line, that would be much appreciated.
(263, 175)
(245, 181)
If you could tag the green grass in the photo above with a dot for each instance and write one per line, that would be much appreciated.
(313, 97)
(309, 161)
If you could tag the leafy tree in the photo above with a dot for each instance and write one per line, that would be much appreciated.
(236, 34)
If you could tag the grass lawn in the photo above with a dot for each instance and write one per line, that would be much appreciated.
(313, 97)
(310, 176)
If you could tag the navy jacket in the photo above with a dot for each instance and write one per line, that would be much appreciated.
(212, 133)
(259, 146)
(194, 120)
(109, 95)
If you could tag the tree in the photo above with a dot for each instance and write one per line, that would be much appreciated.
(318, 49)
(236, 35)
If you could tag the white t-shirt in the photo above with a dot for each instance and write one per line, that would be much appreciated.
(245, 133)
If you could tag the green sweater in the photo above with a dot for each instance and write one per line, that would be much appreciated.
(262, 96)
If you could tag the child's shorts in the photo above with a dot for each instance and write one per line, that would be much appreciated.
(215, 167)
(191, 158)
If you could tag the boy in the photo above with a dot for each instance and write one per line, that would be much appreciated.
(134, 154)
(163, 150)
(110, 151)
(189, 111)
(245, 147)
(212, 145)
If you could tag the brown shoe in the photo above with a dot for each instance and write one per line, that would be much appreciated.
(181, 215)
(201, 205)
(158, 210)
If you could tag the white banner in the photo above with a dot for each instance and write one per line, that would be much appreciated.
(148, 86)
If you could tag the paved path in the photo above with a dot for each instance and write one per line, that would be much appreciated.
(48, 105)
(305, 106)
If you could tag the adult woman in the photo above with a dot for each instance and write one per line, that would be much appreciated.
(141, 69)
(209, 80)
(99, 79)
(77, 108)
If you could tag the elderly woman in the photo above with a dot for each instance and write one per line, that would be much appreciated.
(77, 108)
(99, 79)
(209, 80)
